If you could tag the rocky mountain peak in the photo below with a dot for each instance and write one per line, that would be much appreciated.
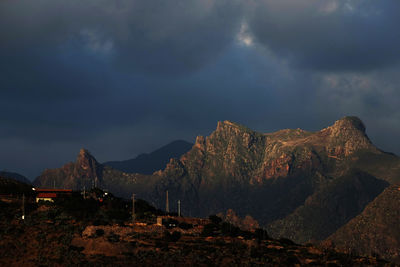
(229, 125)
(349, 123)
(200, 142)
(347, 136)
(84, 153)
(85, 158)
(87, 166)
(228, 130)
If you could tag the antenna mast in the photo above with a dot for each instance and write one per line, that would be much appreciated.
(23, 206)
(167, 203)
(133, 208)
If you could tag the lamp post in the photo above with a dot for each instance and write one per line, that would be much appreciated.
(133, 208)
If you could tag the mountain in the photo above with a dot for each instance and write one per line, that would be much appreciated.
(269, 175)
(375, 230)
(11, 186)
(300, 184)
(329, 208)
(15, 176)
(265, 175)
(87, 172)
(154, 161)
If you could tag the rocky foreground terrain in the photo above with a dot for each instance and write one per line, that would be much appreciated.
(89, 232)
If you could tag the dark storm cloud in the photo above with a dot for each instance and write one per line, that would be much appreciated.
(333, 35)
(152, 36)
(124, 77)
(58, 72)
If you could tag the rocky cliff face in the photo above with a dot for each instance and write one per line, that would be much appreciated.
(84, 172)
(269, 174)
(247, 156)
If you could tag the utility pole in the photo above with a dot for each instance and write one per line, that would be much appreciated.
(133, 208)
(179, 208)
(23, 206)
(166, 203)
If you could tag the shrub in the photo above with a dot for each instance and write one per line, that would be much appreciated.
(113, 238)
(215, 219)
(210, 230)
(99, 232)
(261, 234)
(286, 241)
(185, 226)
(175, 236)
(229, 229)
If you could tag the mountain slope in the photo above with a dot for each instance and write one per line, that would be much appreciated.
(14, 187)
(15, 176)
(329, 208)
(154, 161)
(376, 229)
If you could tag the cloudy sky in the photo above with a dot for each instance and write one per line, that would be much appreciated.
(122, 77)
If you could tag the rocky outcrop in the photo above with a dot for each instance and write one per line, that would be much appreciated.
(84, 172)
(247, 223)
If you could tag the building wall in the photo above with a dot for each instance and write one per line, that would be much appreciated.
(44, 199)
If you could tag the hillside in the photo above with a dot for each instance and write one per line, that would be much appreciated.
(86, 232)
(154, 161)
(329, 208)
(14, 187)
(15, 176)
(375, 230)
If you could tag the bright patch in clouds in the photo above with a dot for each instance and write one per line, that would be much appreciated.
(95, 43)
(244, 36)
(329, 7)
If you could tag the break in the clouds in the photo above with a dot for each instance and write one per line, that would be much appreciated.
(122, 77)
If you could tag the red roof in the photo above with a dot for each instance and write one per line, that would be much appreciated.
(53, 190)
(47, 195)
